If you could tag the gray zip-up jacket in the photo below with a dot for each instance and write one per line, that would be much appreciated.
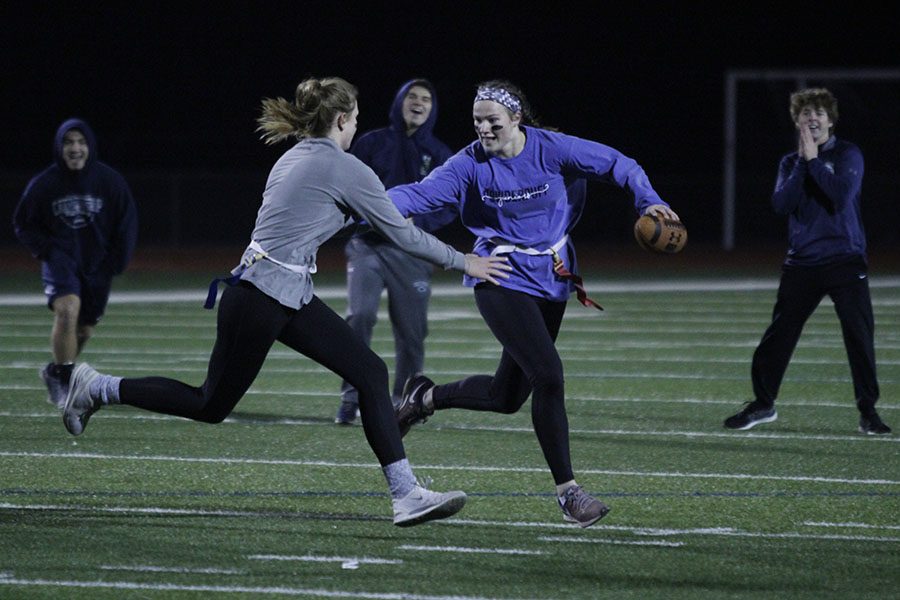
(313, 191)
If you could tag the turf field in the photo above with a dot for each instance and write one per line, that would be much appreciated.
(280, 502)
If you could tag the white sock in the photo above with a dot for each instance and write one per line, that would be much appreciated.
(106, 388)
(561, 488)
(428, 400)
(400, 478)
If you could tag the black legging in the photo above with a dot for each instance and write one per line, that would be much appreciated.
(527, 327)
(248, 323)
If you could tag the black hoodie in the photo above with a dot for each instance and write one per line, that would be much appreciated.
(86, 217)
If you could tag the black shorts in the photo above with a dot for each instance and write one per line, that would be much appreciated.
(61, 279)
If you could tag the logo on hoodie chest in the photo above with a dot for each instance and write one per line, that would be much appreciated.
(77, 210)
(425, 166)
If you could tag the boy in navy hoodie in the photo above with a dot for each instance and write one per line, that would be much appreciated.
(79, 219)
(404, 152)
(818, 188)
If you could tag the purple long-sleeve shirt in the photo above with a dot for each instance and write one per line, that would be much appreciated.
(523, 200)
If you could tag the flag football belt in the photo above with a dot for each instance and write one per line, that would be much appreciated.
(559, 266)
(247, 261)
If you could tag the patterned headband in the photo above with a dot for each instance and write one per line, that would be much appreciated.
(500, 96)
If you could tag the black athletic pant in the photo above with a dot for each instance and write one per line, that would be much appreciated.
(799, 293)
(248, 323)
(527, 328)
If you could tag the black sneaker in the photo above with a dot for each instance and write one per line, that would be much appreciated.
(873, 425)
(347, 413)
(753, 414)
(411, 409)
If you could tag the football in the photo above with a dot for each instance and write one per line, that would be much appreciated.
(660, 234)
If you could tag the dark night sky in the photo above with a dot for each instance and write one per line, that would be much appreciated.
(174, 86)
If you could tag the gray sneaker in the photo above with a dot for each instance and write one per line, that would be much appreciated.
(56, 388)
(580, 507)
(79, 404)
(421, 505)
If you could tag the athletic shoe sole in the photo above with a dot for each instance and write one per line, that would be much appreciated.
(753, 424)
(343, 418)
(594, 520)
(450, 506)
(570, 519)
(870, 432)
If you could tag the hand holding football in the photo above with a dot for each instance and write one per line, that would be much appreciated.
(660, 234)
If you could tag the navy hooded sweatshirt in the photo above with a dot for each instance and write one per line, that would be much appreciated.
(398, 158)
(822, 200)
(86, 217)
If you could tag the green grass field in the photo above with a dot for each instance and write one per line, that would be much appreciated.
(278, 501)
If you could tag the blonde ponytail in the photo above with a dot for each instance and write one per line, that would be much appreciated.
(317, 102)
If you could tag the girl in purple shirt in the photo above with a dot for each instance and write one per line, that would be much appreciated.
(510, 189)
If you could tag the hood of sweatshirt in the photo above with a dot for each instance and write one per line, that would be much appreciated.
(396, 113)
(85, 129)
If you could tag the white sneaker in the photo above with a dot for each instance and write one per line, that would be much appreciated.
(79, 404)
(422, 505)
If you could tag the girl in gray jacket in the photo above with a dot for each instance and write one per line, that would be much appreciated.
(313, 191)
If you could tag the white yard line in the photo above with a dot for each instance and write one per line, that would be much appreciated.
(366, 560)
(464, 468)
(226, 589)
(329, 393)
(850, 525)
(794, 535)
(469, 550)
(594, 531)
(158, 569)
(615, 542)
(237, 419)
(303, 366)
(452, 290)
(597, 357)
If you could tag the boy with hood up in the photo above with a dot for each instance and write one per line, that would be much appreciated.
(79, 219)
(406, 151)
